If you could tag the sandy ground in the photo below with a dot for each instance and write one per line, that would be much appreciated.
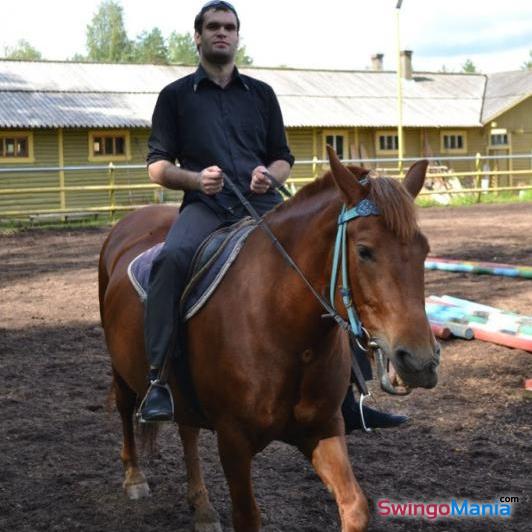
(59, 464)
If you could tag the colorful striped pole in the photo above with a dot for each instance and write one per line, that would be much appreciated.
(486, 323)
(440, 331)
(492, 268)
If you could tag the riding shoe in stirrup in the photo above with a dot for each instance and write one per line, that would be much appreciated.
(373, 418)
(158, 405)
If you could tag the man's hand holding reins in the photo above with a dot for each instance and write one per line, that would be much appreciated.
(210, 180)
(260, 184)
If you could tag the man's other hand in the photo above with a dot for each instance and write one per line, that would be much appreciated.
(211, 180)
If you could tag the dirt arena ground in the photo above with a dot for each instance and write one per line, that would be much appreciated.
(470, 438)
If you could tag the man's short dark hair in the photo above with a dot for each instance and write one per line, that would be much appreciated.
(217, 5)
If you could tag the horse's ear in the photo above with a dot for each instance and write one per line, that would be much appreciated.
(415, 177)
(347, 182)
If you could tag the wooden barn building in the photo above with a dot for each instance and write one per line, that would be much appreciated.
(57, 114)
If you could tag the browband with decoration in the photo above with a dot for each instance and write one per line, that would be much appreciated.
(365, 208)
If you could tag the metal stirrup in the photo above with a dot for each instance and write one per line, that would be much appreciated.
(364, 426)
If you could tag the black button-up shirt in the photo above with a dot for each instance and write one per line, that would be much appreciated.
(237, 128)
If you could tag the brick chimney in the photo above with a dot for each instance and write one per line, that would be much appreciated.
(376, 62)
(406, 64)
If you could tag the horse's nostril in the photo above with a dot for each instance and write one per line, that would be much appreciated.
(405, 359)
(437, 351)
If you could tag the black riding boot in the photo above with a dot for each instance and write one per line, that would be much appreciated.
(158, 404)
(373, 418)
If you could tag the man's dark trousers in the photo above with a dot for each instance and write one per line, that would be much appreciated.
(168, 276)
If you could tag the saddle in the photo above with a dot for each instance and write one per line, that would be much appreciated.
(209, 265)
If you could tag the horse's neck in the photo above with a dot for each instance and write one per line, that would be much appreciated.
(307, 222)
(307, 230)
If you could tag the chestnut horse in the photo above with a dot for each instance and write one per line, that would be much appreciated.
(264, 362)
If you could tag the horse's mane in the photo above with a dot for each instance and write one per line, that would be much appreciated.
(394, 201)
(396, 205)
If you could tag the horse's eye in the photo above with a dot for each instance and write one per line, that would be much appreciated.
(364, 252)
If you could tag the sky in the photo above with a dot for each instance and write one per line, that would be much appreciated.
(332, 34)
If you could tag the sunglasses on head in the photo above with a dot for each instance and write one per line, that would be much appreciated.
(218, 3)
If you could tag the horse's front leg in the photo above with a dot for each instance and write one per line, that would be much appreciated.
(206, 518)
(331, 461)
(134, 484)
(235, 455)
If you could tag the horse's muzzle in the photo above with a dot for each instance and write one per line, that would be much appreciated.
(407, 371)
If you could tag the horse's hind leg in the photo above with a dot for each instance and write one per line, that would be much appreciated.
(134, 484)
(331, 461)
(205, 517)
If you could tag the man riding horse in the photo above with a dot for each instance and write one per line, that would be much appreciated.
(215, 122)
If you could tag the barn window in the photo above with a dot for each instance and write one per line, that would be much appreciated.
(336, 139)
(387, 142)
(453, 142)
(16, 147)
(498, 138)
(109, 145)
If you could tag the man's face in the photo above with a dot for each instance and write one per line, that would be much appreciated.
(218, 40)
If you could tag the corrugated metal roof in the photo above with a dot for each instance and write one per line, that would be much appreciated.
(86, 77)
(64, 94)
(504, 90)
(64, 109)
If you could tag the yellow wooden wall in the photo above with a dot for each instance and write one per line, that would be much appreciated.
(517, 121)
(45, 155)
(305, 143)
(76, 153)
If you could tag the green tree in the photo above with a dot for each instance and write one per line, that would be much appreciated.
(527, 65)
(22, 50)
(182, 49)
(242, 58)
(77, 58)
(469, 67)
(106, 35)
(150, 48)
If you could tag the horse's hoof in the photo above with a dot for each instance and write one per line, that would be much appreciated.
(137, 491)
(208, 527)
(207, 521)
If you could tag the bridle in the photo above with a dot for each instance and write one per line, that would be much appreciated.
(365, 207)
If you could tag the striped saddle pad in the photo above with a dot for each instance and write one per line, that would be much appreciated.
(211, 262)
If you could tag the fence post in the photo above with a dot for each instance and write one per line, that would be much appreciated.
(62, 194)
(478, 175)
(314, 166)
(112, 203)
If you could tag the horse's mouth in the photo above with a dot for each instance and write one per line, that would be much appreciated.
(389, 379)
